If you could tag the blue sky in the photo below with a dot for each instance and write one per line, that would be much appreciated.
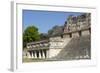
(45, 20)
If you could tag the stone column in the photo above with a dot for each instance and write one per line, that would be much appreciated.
(32, 54)
(29, 54)
(35, 54)
(39, 54)
(43, 55)
(47, 53)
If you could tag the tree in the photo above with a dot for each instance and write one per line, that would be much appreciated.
(51, 31)
(56, 30)
(30, 34)
(44, 36)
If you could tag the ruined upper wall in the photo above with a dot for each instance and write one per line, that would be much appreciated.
(80, 22)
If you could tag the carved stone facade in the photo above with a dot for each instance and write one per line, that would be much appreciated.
(75, 23)
(37, 49)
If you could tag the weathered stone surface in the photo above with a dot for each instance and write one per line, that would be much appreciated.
(77, 48)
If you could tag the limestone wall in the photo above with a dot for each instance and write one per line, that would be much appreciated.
(85, 32)
(57, 44)
(76, 34)
(54, 52)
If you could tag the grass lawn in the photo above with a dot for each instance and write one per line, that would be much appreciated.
(35, 60)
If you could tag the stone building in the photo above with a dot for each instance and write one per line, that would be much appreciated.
(73, 43)
(75, 23)
(37, 49)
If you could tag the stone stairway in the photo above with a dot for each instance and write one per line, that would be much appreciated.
(66, 41)
(77, 48)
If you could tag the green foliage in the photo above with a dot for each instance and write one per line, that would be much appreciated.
(44, 36)
(51, 31)
(30, 34)
(55, 30)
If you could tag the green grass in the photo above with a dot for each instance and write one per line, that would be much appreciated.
(28, 60)
(34, 60)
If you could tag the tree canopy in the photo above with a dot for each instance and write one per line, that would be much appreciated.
(55, 30)
(44, 36)
(30, 34)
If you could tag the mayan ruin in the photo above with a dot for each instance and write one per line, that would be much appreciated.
(72, 42)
